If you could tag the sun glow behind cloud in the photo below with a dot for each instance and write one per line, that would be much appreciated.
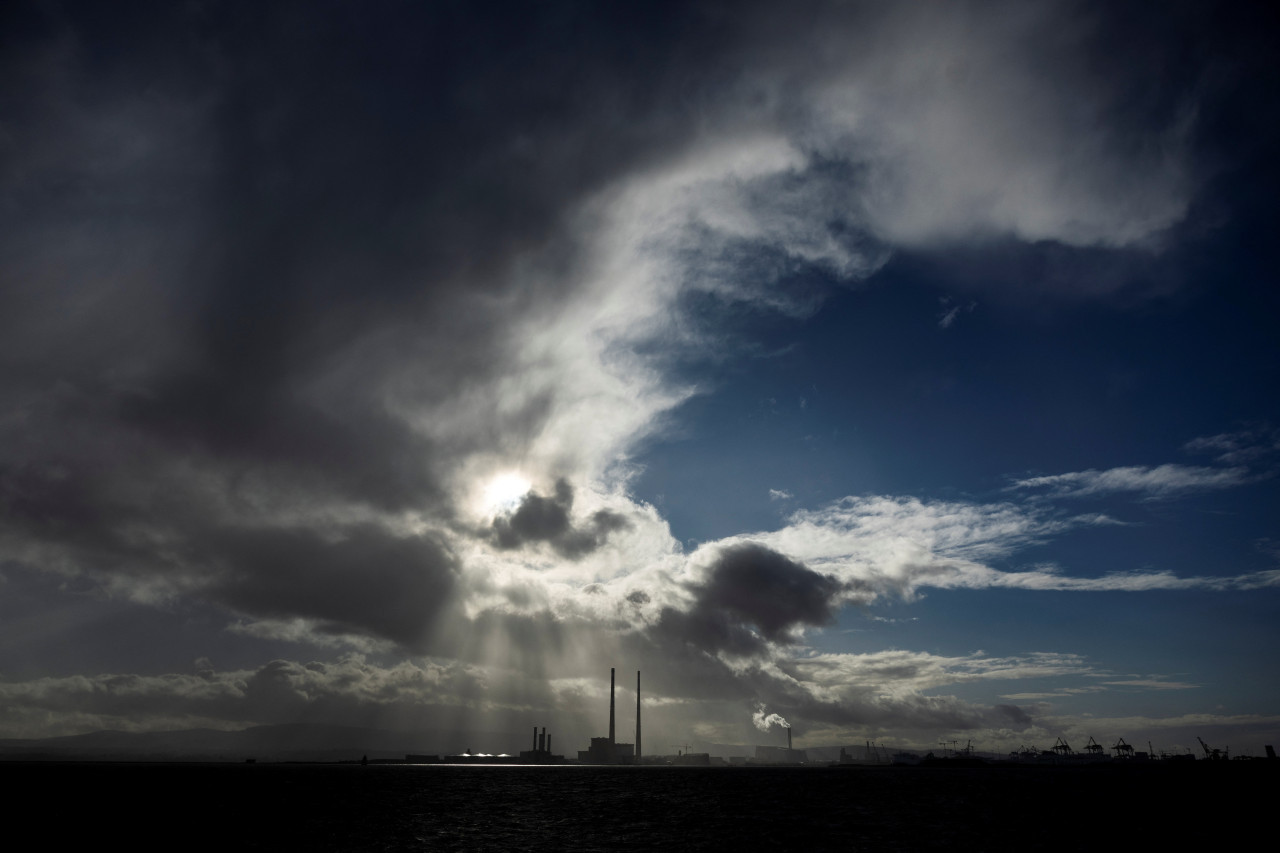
(503, 493)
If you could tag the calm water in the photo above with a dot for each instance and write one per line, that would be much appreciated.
(389, 807)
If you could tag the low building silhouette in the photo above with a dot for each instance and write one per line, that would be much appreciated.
(780, 755)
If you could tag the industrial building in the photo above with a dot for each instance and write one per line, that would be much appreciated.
(607, 750)
(781, 754)
(541, 751)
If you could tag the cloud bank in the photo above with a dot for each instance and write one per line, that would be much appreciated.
(282, 302)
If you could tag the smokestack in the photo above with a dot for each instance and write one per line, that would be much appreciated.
(637, 716)
(542, 742)
(788, 739)
(535, 738)
(611, 741)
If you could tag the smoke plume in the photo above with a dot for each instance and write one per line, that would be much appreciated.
(764, 721)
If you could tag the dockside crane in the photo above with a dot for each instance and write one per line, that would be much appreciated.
(1214, 754)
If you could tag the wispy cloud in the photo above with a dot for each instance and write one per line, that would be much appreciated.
(1161, 481)
(1058, 693)
(883, 546)
(950, 310)
(1240, 447)
(908, 671)
(1152, 684)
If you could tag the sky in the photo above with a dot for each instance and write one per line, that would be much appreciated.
(906, 372)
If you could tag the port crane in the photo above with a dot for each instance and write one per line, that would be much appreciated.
(1214, 754)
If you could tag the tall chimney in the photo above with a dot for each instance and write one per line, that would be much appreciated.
(637, 716)
(542, 742)
(535, 738)
(788, 738)
(611, 741)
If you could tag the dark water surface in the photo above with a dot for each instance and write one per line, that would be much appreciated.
(404, 807)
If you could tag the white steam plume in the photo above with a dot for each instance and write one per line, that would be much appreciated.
(763, 721)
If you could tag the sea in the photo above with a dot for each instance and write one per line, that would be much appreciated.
(390, 807)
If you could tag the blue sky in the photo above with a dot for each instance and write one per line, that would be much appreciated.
(906, 371)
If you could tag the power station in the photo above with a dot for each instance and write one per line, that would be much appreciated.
(541, 752)
(607, 750)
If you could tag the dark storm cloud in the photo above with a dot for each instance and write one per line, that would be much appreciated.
(347, 691)
(766, 589)
(1016, 716)
(268, 249)
(239, 243)
(922, 713)
(271, 275)
(547, 519)
(365, 176)
(361, 579)
(752, 594)
(352, 166)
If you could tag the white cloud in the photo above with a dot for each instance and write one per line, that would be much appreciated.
(1156, 482)
(919, 128)
(887, 546)
(989, 119)
(901, 672)
(351, 441)
(1237, 448)
(1152, 684)
(858, 132)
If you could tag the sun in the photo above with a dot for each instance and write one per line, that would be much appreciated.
(504, 492)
